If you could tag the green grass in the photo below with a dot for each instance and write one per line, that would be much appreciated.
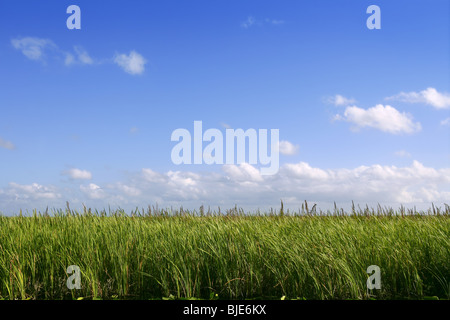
(159, 254)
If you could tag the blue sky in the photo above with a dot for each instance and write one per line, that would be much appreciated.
(86, 115)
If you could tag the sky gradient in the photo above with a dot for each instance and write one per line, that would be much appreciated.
(86, 115)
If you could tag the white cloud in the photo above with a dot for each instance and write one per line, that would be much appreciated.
(133, 63)
(70, 59)
(384, 118)
(152, 176)
(243, 185)
(445, 122)
(287, 148)
(39, 49)
(428, 96)
(93, 191)
(243, 172)
(183, 179)
(129, 191)
(339, 100)
(78, 174)
(249, 22)
(32, 191)
(302, 170)
(82, 57)
(32, 48)
(6, 144)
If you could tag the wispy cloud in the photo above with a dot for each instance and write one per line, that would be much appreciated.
(83, 56)
(384, 118)
(249, 22)
(33, 48)
(39, 49)
(133, 63)
(445, 122)
(80, 56)
(339, 100)
(134, 130)
(6, 144)
(252, 21)
(429, 96)
(402, 154)
(274, 21)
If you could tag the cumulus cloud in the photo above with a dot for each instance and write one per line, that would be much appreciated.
(303, 170)
(428, 96)
(33, 48)
(78, 174)
(416, 184)
(384, 118)
(127, 190)
(133, 63)
(152, 176)
(339, 100)
(243, 172)
(93, 191)
(6, 144)
(32, 191)
(287, 148)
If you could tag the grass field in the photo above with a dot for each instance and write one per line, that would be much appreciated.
(231, 255)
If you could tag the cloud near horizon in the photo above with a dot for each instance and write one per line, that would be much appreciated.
(245, 186)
